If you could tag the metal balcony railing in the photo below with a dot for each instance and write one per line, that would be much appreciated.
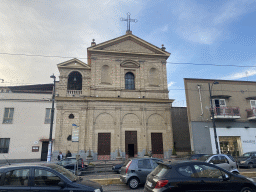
(227, 113)
(251, 113)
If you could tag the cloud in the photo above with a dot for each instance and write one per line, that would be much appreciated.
(240, 75)
(170, 84)
(201, 24)
(56, 28)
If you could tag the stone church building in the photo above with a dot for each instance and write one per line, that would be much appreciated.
(117, 101)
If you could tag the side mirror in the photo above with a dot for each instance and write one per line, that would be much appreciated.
(62, 184)
(225, 177)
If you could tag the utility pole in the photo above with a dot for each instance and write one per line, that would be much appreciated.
(49, 155)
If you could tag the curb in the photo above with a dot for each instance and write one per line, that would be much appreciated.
(248, 174)
(109, 181)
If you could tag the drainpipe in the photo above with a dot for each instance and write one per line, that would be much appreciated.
(200, 97)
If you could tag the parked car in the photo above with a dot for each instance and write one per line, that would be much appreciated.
(70, 163)
(134, 171)
(221, 160)
(247, 160)
(182, 176)
(43, 177)
(117, 167)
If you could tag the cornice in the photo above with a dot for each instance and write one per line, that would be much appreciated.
(111, 99)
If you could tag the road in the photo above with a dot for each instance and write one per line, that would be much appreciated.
(121, 188)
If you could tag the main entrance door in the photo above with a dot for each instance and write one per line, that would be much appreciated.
(157, 144)
(131, 143)
(104, 147)
(44, 150)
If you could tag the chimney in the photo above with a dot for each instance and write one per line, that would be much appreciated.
(93, 43)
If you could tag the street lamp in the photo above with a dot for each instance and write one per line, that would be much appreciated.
(213, 120)
(49, 155)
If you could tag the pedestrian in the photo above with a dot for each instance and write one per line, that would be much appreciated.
(60, 156)
(68, 154)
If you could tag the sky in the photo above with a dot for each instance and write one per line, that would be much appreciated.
(210, 39)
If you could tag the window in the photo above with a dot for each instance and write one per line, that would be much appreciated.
(4, 145)
(8, 115)
(223, 159)
(47, 116)
(75, 81)
(253, 104)
(185, 171)
(46, 178)
(129, 81)
(144, 164)
(215, 160)
(17, 177)
(205, 171)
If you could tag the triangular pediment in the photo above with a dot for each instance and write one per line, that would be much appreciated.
(129, 43)
(74, 64)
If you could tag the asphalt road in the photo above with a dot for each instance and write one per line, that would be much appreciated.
(121, 188)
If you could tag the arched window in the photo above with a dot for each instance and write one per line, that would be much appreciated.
(129, 81)
(75, 81)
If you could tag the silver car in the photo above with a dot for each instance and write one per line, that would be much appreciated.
(221, 160)
(135, 171)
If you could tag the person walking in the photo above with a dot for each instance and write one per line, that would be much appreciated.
(68, 154)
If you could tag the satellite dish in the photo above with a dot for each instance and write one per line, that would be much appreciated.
(36, 142)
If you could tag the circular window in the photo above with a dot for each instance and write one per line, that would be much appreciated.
(71, 116)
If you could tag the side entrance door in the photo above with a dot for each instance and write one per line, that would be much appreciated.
(44, 150)
(157, 143)
(104, 143)
(131, 143)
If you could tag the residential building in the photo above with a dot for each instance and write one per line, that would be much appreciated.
(25, 122)
(233, 105)
(117, 104)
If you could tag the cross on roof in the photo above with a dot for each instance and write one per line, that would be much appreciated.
(129, 20)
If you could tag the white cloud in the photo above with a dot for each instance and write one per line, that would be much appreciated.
(239, 75)
(197, 23)
(63, 28)
(170, 84)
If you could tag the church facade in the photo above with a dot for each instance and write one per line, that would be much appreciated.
(117, 104)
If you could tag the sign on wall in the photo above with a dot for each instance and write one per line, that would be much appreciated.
(75, 133)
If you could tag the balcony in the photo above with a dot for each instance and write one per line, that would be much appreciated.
(74, 93)
(226, 113)
(251, 114)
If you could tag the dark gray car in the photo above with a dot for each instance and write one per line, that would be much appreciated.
(247, 160)
(135, 171)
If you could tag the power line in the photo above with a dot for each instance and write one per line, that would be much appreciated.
(171, 63)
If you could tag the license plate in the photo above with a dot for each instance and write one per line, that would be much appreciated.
(149, 183)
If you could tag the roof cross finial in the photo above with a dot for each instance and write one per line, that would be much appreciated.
(129, 20)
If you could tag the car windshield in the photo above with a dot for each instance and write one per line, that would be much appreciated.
(64, 172)
(247, 155)
(204, 158)
(160, 170)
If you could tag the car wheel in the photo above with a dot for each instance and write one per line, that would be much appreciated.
(246, 189)
(250, 165)
(133, 183)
